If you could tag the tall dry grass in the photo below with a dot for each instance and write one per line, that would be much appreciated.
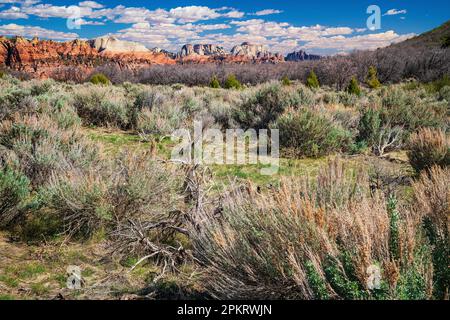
(310, 240)
(429, 147)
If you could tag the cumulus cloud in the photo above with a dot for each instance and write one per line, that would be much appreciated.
(393, 12)
(267, 12)
(13, 29)
(91, 4)
(360, 42)
(171, 28)
(13, 13)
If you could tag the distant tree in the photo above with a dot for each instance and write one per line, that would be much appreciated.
(232, 83)
(214, 83)
(372, 79)
(286, 81)
(100, 78)
(353, 87)
(312, 81)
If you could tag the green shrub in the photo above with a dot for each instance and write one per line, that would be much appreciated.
(312, 81)
(78, 204)
(411, 110)
(100, 79)
(369, 127)
(232, 83)
(214, 83)
(438, 84)
(102, 107)
(372, 79)
(14, 190)
(306, 96)
(41, 87)
(428, 148)
(445, 41)
(16, 100)
(38, 148)
(353, 87)
(286, 81)
(258, 110)
(306, 134)
(2, 74)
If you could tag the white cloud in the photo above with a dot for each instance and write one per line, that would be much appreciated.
(13, 29)
(91, 4)
(267, 12)
(234, 14)
(393, 12)
(193, 13)
(361, 42)
(13, 13)
(172, 28)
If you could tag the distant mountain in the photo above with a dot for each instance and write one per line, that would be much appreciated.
(201, 50)
(301, 56)
(437, 38)
(245, 52)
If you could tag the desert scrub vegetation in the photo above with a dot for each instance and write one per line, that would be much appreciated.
(323, 236)
(99, 78)
(428, 148)
(305, 133)
(322, 239)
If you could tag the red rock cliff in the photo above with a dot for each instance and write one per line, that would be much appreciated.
(42, 58)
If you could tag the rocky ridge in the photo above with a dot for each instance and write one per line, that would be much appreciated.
(42, 58)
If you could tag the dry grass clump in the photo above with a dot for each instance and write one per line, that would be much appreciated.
(311, 241)
(432, 205)
(427, 148)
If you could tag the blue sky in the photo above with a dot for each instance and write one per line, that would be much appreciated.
(324, 27)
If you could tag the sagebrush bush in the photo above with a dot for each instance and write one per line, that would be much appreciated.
(303, 133)
(77, 202)
(36, 147)
(412, 111)
(428, 148)
(258, 110)
(102, 107)
(288, 244)
(16, 100)
(14, 190)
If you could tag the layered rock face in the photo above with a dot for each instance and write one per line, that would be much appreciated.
(244, 53)
(41, 58)
(112, 44)
(301, 56)
(249, 50)
(201, 50)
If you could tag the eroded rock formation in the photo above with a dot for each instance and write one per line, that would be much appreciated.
(41, 58)
(301, 56)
